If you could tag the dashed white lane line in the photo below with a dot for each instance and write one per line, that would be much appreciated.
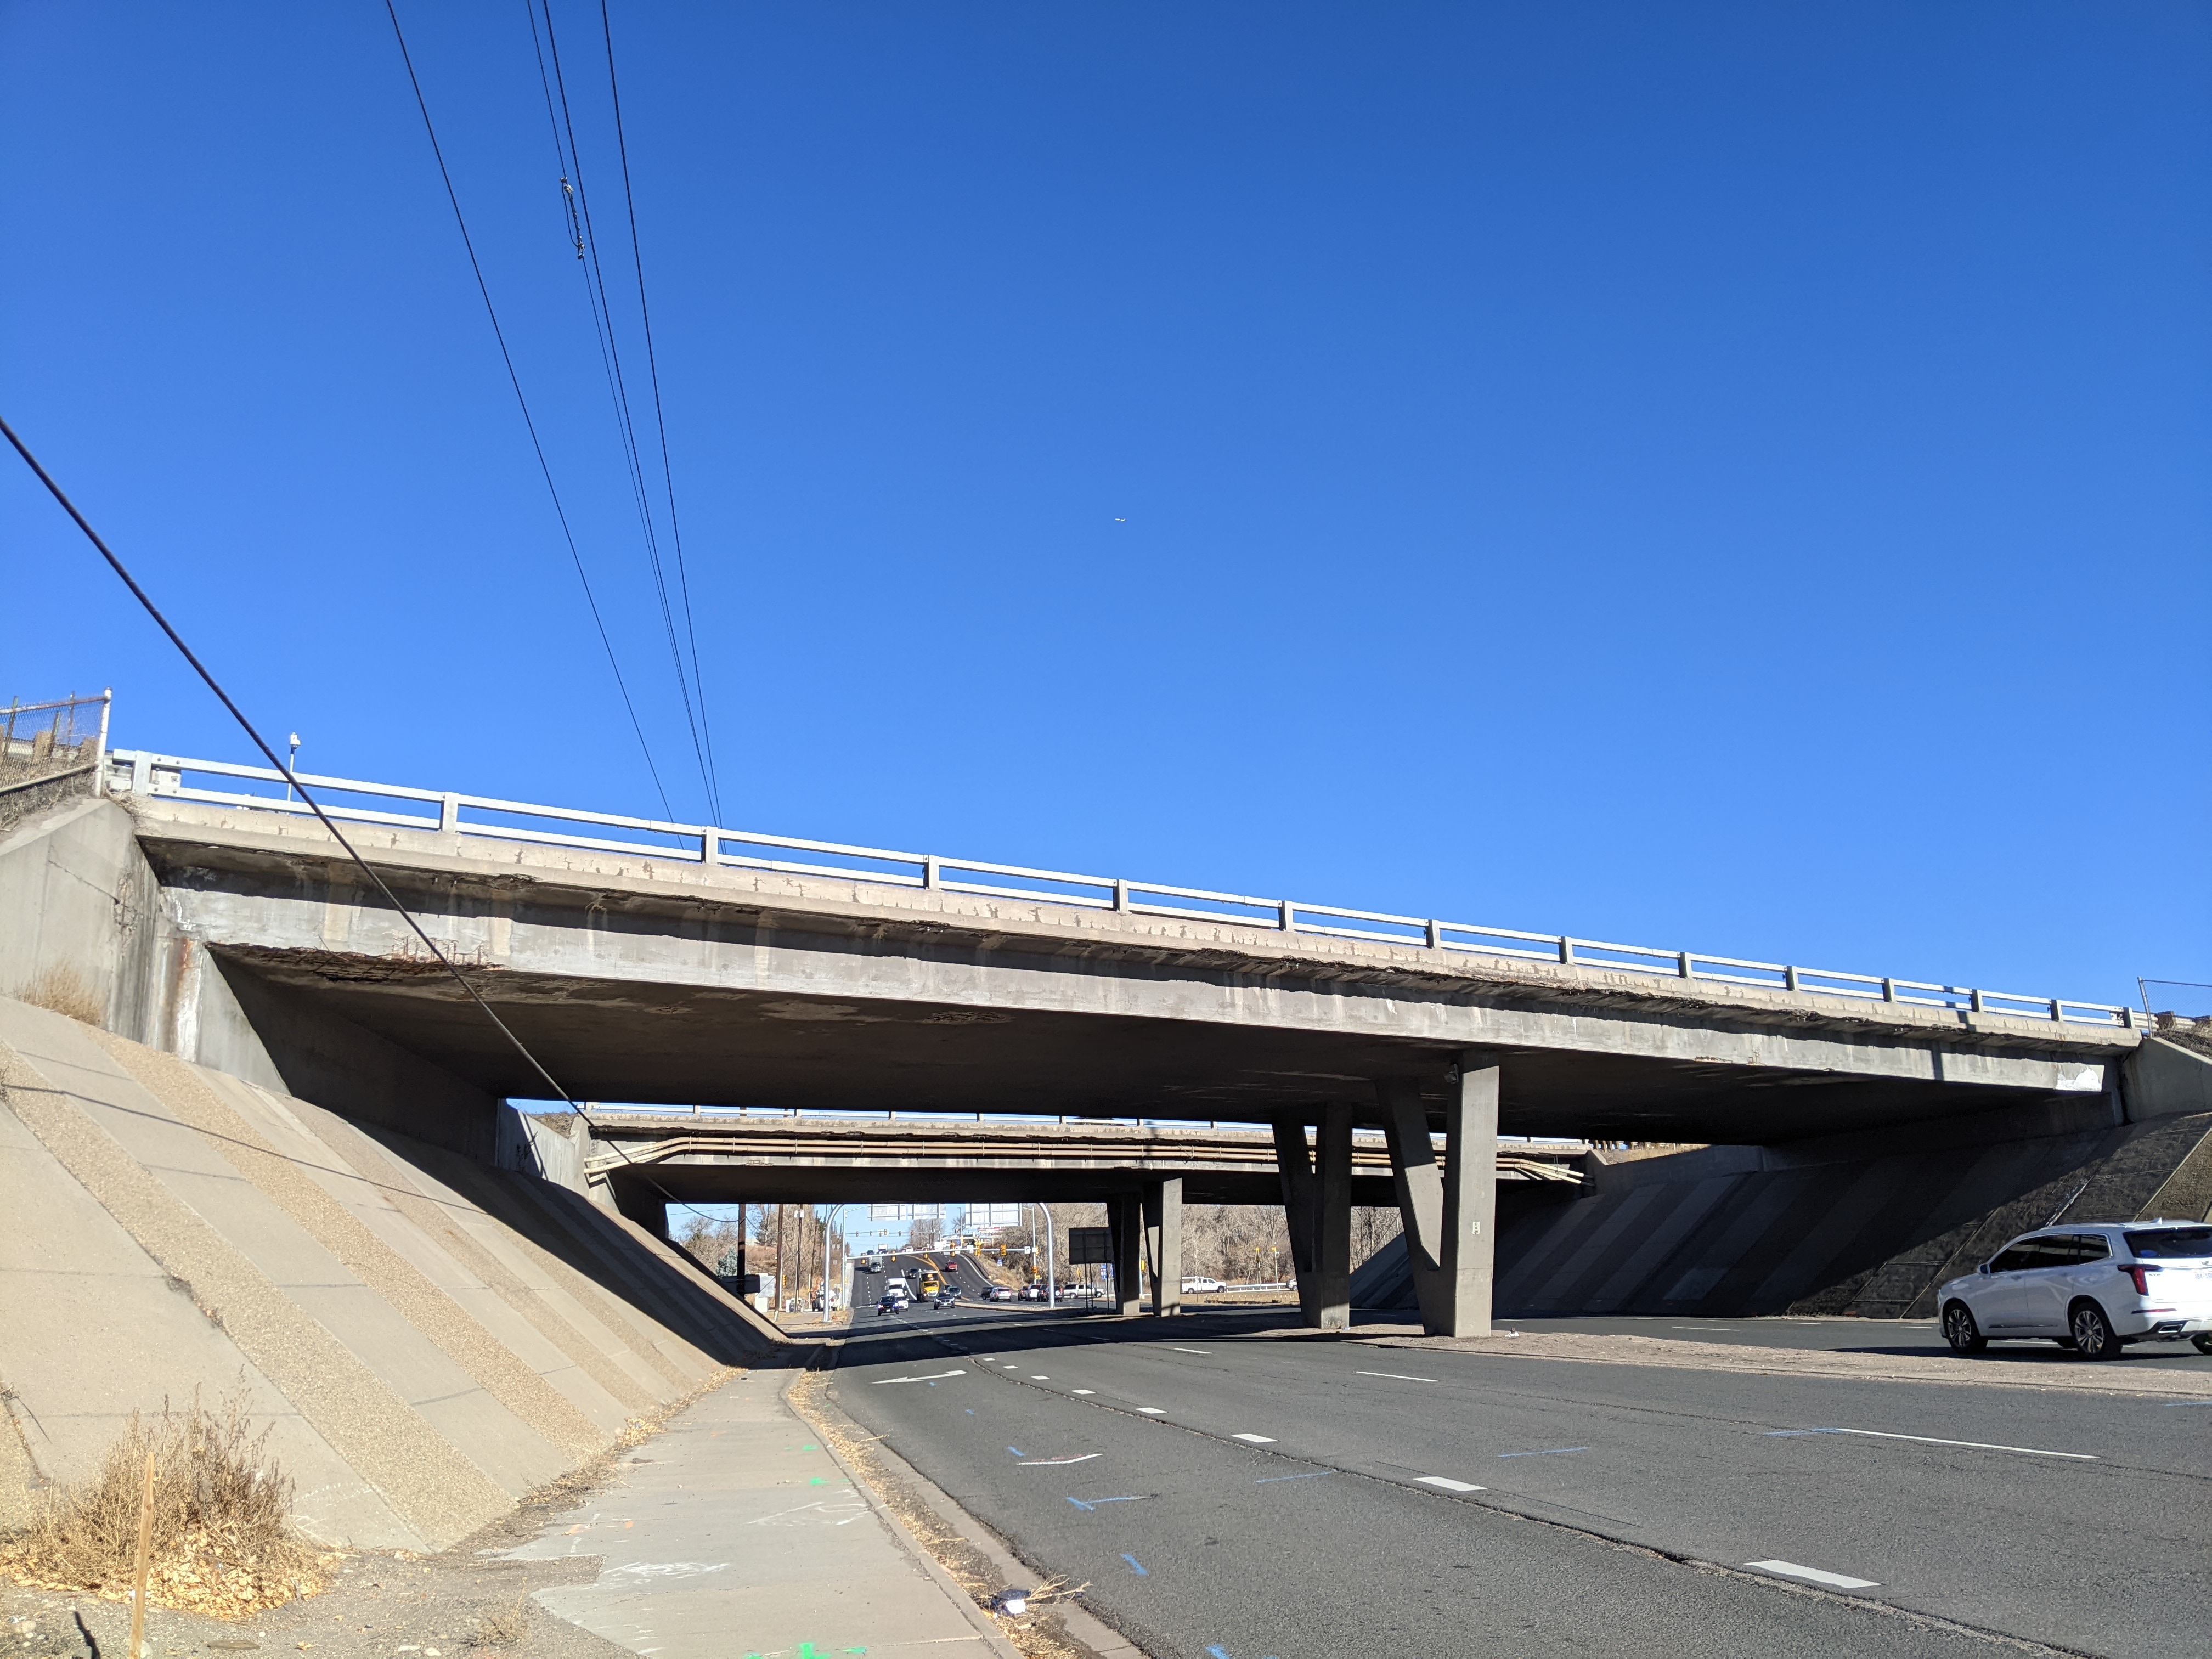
(1931, 1440)
(1083, 1391)
(1053, 1462)
(1202, 1352)
(1833, 1580)
(1256, 1439)
(1039, 1379)
(1153, 1411)
(1394, 1377)
(1439, 1481)
(934, 1376)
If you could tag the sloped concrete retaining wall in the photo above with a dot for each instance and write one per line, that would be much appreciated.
(430, 1338)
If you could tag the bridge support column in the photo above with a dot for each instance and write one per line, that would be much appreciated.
(1317, 1202)
(1164, 1243)
(1125, 1215)
(1333, 1220)
(1420, 1186)
(1295, 1165)
(1469, 1229)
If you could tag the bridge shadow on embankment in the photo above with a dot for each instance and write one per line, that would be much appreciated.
(428, 1340)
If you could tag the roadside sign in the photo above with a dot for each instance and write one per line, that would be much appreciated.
(1090, 1246)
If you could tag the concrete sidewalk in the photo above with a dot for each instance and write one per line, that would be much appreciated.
(733, 1533)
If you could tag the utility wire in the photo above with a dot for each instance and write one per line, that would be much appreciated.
(293, 781)
(514, 379)
(618, 386)
(270, 754)
(660, 415)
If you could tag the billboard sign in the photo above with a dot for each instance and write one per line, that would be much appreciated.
(1090, 1246)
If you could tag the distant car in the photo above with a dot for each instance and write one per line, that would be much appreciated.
(1198, 1285)
(947, 1298)
(893, 1304)
(1031, 1293)
(1002, 1293)
(2094, 1287)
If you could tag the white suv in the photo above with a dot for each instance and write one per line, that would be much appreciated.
(2094, 1288)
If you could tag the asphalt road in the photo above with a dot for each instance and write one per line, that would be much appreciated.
(1230, 1495)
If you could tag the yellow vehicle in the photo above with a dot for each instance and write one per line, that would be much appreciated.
(931, 1284)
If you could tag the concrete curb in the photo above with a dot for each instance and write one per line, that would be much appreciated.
(1083, 1629)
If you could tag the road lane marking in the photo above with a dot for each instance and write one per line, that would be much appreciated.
(1056, 1462)
(1256, 1439)
(1394, 1377)
(1438, 1480)
(1200, 1352)
(934, 1376)
(1311, 1475)
(1153, 1411)
(1553, 1451)
(1834, 1580)
(1039, 1379)
(1135, 1566)
(1083, 1391)
(1093, 1503)
(1932, 1440)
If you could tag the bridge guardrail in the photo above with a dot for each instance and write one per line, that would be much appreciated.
(144, 773)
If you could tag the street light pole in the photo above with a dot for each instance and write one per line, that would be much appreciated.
(1051, 1277)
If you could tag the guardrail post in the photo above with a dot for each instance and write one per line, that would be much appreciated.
(1566, 952)
(1436, 937)
(1889, 989)
(1120, 894)
(1973, 1002)
(2127, 1019)
(931, 876)
(1289, 917)
(141, 775)
(1790, 980)
(2056, 1011)
(449, 814)
(1682, 965)
(710, 845)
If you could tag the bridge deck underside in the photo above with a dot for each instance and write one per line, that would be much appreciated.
(633, 1040)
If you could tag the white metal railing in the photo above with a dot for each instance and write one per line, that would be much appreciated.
(350, 800)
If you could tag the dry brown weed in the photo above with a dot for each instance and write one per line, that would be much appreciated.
(62, 990)
(224, 1544)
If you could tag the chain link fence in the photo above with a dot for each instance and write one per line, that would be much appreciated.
(48, 751)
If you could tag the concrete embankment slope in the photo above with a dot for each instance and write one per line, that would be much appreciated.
(1860, 1225)
(429, 1338)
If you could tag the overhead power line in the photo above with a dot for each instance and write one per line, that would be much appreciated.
(292, 781)
(514, 379)
(270, 754)
(660, 415)
(583, 235)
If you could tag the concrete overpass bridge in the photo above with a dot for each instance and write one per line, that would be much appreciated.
(657, 962)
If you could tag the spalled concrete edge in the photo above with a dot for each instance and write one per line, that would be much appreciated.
(1084, 1628)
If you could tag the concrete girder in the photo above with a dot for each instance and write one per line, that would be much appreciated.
(641, 981)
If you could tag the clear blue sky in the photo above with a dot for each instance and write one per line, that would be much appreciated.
(1728, 475)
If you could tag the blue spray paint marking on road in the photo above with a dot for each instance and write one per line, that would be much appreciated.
(1136, 1566)
(1080, 1504)
(1218, 1653)
(1555, 1452)
(971, 1411)
(1017, 1451)
(1314, 1474)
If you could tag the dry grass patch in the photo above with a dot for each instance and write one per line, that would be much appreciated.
(223, 1539)
(62, 991)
